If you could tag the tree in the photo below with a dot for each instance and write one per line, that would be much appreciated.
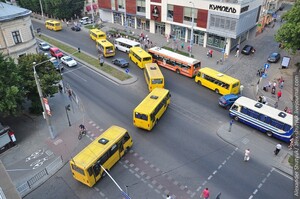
(11, 90)
(48, 78)
(62, 9)
(289, 33)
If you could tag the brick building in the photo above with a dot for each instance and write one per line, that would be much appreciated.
(220, 24)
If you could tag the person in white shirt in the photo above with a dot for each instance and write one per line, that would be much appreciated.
(247, 155)
(278, 148)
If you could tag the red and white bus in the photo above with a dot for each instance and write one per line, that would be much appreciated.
(176, 62)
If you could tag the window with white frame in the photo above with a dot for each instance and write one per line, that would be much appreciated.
(17, 37)
(188, 14)
(141, 5)
(121, 4)
(170, 11)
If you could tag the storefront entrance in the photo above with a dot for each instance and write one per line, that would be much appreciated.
(160, 28)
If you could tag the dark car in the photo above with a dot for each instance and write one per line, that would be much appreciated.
(123, 63)
(75, 28)
(227, 100)
(247, 50)
(274, 57)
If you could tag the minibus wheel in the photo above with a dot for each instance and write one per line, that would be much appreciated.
(269, 133)
(217, 91)
(199, 82)
(236, 118)
(177, 71)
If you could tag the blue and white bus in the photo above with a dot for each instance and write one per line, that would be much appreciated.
(267, 119)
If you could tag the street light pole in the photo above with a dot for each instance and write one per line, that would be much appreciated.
(125, 17)
(41, 98)
(42, 12)
(192, 30)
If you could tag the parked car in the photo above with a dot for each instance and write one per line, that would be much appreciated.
(247, 50)
(85, 20)
(48, 55)
(123, 63)
(69, 61)
(55, 52)
(7, 138)
(56, 64)
(75, 28)
(227, 100)
(274, 57)
(44, 46)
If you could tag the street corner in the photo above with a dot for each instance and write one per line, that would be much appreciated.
(232, 132)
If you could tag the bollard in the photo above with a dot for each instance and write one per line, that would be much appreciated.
(230, 125)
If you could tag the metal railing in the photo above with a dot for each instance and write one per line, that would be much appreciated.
(40, 177)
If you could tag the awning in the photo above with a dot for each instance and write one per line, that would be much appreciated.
(88, 8)
(95, 6)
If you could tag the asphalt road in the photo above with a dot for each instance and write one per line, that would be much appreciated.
(185, 153)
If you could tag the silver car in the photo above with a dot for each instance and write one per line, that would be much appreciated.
(44, 46)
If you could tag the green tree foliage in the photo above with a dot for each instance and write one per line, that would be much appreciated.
(289, 32)
(62, 9)
(47, 74)
(11, 87)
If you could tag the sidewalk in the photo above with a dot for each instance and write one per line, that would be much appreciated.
(244, 137)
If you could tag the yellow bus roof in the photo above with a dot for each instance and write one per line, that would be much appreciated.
(85, 158)
(218, 75)
(104, 42)
(153, 71)
(140, 52)
(97, 31)
(52, 21)
(152, 100)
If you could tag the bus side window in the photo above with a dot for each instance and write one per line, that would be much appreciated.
(286, 127)
(126, 137)
(113, 149)
(262, 117)
(90, 171)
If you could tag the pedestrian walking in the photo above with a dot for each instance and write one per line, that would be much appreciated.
(60, 88)
(211, 53)
(247, 155)
(189, 48)
(237, 53)
(291, 145)
(273, 90)
(67, 23)
(277, 149)
(274, 84)
(182, 45)
(279, 93)
(281, 84)
(205, 193)
(238, 47)
(276, 104)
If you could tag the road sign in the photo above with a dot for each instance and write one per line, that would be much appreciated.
(267, 66)
(127, 70)
(264, 75)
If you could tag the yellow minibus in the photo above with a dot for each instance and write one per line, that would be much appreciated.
(105, 47)
(140, 57)
(53, 25)
(153, 76)
(97, 34)
(218, 82)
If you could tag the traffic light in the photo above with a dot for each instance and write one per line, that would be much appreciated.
(78, 49)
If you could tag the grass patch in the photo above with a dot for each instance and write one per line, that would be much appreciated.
(90, 26)
(291, 160)
(177, 51)
(88, 59)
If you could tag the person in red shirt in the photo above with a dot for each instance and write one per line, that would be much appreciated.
(205, 193)
(279, 94)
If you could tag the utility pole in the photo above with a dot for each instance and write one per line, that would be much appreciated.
(42, 12)
(192, 30)
(41, 98)
(125, 16)
(92, 9)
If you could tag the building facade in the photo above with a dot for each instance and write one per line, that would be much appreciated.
(220, 24)
(16, 31)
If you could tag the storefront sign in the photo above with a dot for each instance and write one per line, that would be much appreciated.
(222, 8)
(244, 9)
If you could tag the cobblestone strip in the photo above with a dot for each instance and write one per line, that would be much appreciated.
(155, 178)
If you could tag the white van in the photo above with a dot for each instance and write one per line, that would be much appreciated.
(85, 20)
